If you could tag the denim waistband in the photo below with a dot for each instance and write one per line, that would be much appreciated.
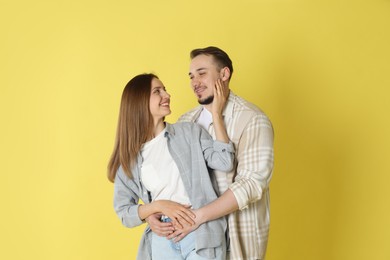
(165, 219)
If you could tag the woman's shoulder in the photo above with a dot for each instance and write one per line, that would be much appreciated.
(186, 126)
(184, 129)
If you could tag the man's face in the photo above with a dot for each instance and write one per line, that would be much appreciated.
(204, 72)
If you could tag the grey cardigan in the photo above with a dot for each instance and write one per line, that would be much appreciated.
(193, 151)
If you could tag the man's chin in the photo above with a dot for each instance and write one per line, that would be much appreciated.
(206, 101)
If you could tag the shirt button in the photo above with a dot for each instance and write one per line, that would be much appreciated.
(223, 150)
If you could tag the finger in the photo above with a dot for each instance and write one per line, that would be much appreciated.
(225, 91)
(218, 87)
(174, 234)
(219, 84)
(185, 215)
(164, 233)
(222, 89)
(179, 237)
(160, 225)
(176, 224)
(182, 222)
(166, 229)
(167, 233)
(190, 213)
(185, 219)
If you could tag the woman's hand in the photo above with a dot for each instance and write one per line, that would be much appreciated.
(221, 93)
(181, 215)
(162, 229)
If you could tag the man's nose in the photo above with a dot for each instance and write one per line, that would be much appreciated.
(195, 82)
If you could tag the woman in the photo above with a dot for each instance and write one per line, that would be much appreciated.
(165, 166)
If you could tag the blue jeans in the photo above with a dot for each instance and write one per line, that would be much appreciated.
(164, 249)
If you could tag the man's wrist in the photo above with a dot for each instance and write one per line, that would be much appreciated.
(201, 216)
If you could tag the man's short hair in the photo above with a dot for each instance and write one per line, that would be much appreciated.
(220, 57)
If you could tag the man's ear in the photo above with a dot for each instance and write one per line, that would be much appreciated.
(225, 74)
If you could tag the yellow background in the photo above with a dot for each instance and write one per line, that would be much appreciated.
(319, 69)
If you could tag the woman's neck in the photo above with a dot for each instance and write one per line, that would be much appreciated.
(158, 127)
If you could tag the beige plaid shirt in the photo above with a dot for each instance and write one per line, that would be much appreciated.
(251, 132)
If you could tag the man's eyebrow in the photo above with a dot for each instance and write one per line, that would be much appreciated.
(197, 70)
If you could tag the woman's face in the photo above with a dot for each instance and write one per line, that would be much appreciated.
(159, 100)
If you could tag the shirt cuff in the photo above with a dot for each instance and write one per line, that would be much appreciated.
(245, 193)
(223, 147)
(133, 217)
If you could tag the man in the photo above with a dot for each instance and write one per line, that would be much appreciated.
(245, 190)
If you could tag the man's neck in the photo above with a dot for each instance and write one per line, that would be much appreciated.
(208, 107)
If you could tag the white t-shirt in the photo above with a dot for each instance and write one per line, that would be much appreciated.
(205, 119)
(159, 173)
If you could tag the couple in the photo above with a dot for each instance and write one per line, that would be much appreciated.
(167, 167)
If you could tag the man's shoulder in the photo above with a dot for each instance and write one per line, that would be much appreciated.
(244, 106)
(248, 113)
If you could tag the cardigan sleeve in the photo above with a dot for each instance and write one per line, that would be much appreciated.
(218, 155)
(125, 200)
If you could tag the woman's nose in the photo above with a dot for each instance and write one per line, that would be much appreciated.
(166, 94)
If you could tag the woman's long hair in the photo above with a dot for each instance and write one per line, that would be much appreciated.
(135, 124)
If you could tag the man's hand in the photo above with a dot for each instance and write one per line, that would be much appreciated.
(162, 229)
(180, 233)
(220, 207)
